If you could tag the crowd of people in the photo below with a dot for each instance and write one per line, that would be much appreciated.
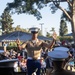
(46, 63)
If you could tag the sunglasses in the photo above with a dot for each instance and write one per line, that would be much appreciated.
(34, 32)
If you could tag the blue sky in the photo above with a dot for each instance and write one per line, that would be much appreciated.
(26, 21)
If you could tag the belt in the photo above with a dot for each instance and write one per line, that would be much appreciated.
(33, 58)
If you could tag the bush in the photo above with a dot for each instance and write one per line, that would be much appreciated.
(68, 38)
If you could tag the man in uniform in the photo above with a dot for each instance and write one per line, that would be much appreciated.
(34, 49)
(59, 60)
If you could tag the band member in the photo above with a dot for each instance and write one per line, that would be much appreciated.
(59, 61)
(34, 49)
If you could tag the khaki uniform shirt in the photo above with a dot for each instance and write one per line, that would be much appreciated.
(34, 48)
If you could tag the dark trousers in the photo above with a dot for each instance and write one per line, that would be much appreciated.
(32, 65)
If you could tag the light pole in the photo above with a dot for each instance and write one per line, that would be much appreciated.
(41, 27)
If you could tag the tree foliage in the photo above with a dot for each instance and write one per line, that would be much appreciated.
(63, 28)
(52, 29)
(69, 11)
(6, 21)
(18, 28)
(32, 6)
(26, 6)
(48, 35)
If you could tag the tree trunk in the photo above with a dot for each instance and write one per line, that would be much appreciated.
(73, 20)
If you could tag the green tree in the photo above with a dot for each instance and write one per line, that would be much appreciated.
(33, 7)
(18, 28)
(40, 33)
(48, 35)
(52, 30)
(63, 28)
(6, 21)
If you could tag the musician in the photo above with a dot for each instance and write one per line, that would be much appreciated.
(34, 49)
(59, 61)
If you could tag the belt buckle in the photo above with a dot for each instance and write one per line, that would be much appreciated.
(35, 58)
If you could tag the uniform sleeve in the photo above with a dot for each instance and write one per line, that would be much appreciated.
(22, 46)
(48, 45)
